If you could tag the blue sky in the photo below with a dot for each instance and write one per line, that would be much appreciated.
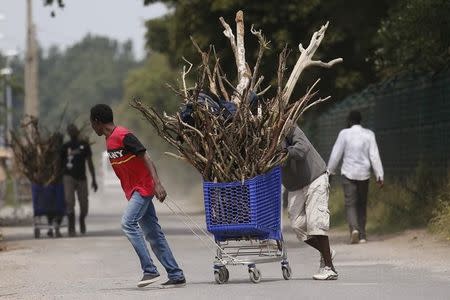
(119, 19)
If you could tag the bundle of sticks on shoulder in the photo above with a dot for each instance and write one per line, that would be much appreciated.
(231, 132)
(37, 152)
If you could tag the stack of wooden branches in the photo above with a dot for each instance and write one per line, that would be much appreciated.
(37, 152)
(226, 146)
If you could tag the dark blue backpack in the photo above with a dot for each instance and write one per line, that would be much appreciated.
(216, 106)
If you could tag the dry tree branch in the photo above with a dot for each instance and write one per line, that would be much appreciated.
(37, 152)
(231, 145)
(263, 45)
(305, 61)
(174, 155)
(184, 73)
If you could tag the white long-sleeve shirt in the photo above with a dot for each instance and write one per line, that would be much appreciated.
(358, 148)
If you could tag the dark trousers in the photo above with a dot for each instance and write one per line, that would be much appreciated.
(355, 192)
(72, 185)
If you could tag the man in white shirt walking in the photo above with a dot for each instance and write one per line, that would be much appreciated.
(358, 149)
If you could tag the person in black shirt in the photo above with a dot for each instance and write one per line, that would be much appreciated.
(75, 153)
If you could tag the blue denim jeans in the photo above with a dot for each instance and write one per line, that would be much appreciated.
(140, 220)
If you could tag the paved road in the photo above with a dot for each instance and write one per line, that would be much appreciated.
(102, 265)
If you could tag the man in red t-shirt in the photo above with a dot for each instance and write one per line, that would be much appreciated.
(140, 182)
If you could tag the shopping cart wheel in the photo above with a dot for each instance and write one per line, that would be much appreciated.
(226, 273)
(37, 233)
(286, 269)
(254, 274)
(221, 275)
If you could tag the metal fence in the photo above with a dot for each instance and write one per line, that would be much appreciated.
(410, 116)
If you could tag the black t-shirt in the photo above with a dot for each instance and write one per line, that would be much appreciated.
(74, 155)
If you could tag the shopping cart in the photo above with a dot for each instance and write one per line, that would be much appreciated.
(245, 219)
(47, 201)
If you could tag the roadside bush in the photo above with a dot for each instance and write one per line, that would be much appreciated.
(440, 222)
(337, 206)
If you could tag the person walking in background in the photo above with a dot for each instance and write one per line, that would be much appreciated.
(141, 183)
(305, 178)
(358, 149)
(75, 153)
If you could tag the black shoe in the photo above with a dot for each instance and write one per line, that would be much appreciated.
(71, 225)
(82, 226)
(148, 279)
(174, 283)
(58, 233)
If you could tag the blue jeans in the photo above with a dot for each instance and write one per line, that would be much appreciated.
(140, 220)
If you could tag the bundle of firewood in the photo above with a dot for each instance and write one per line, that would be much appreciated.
(37, 152)
(232, 132)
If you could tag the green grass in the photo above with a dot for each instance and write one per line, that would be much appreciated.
(336, 206)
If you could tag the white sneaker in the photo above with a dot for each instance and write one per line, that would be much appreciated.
(322, 261)
(354, 238)
(362, 241)
(326, 274)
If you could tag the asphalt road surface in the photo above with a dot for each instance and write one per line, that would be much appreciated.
(102, 265)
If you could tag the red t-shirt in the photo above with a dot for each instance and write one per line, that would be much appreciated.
(123, 149)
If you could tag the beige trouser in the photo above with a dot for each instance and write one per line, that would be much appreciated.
(308, 209)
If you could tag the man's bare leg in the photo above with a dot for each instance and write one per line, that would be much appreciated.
(322, 244)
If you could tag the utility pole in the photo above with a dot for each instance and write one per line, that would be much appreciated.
(31, 67)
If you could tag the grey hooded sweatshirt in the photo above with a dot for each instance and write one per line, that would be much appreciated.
(304, 163)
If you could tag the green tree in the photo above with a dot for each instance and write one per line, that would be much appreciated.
(89, 72)
(415, 37)
(350, 35)
(147, 83)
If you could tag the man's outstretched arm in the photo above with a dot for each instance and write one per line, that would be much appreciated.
(375, 160)
(160, 192)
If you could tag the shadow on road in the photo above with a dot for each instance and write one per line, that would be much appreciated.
(195, 283)
(24, 236)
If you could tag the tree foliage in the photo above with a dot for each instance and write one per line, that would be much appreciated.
(415, 37)
(89, 72)
(376, 38)
(351, 32)
(147, 84)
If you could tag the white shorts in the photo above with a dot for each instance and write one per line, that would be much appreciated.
(308, 209)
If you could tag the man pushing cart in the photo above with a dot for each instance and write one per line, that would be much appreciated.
(242, 142)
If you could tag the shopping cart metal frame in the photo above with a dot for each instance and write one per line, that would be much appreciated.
(255, 252)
